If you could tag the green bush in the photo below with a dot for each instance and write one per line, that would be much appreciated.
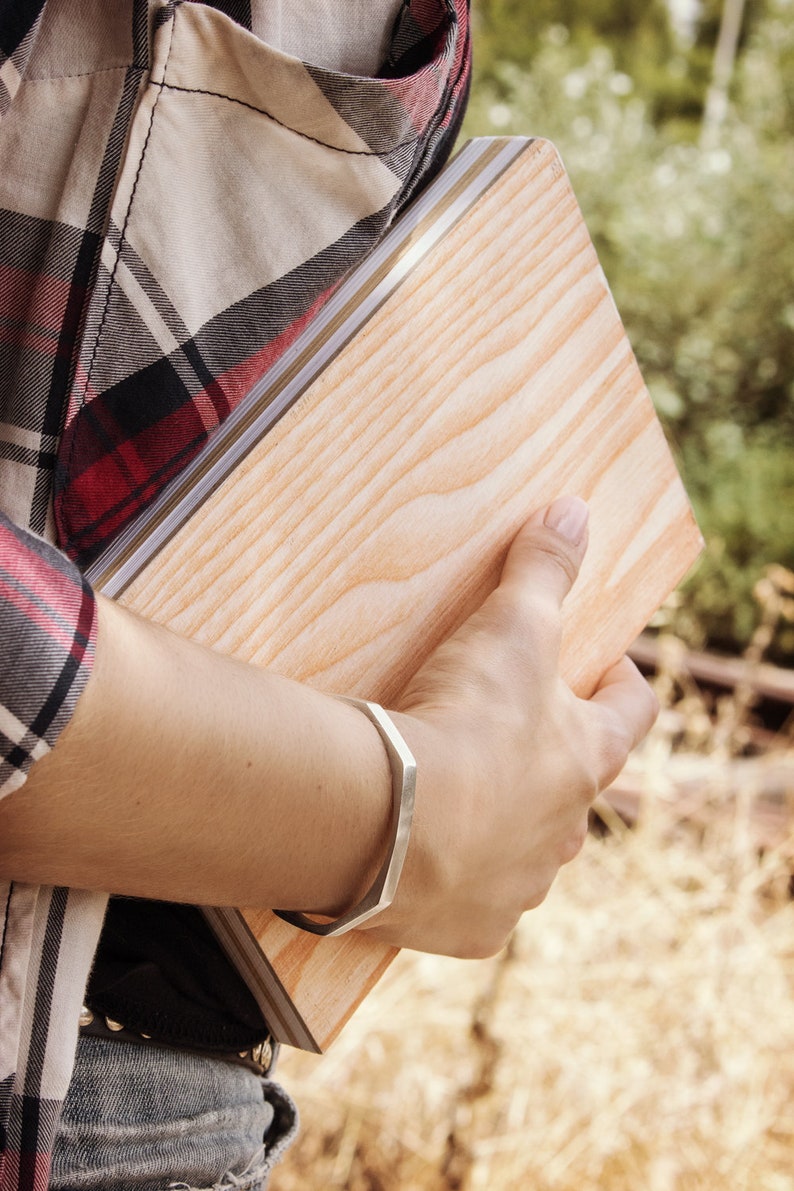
(742, 490)
(698, 246)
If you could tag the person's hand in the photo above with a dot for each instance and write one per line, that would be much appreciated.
(509, 760)
(189, 776)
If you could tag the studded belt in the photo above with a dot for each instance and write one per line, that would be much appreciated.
(259, 1058)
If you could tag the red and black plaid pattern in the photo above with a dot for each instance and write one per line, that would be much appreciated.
(46, 947)
(177, 200)
(48, 611)
(158, 370)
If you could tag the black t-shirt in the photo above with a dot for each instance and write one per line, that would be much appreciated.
(159, 970)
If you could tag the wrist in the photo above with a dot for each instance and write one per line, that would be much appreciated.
(430, 871)
(380, 892)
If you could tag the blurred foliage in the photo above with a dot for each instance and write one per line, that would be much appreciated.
(698, 245)
(638, 33)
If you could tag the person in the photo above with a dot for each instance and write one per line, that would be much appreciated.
(182, 186)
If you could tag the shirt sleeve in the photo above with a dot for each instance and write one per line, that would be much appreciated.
(47, 643)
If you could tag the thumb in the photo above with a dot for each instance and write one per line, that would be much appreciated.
(545, 557)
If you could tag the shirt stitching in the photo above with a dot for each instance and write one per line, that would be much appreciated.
(5, 922)
(306, 136)
(85, 74)
(109, 292)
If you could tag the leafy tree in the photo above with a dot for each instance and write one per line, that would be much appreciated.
(670, 72)
(699, 249)
(638, 33)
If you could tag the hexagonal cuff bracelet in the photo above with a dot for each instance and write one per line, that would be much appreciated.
(403, 784)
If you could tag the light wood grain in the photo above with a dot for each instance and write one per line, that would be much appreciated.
(374, 517)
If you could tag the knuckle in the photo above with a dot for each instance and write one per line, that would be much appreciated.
(652, 704)
(615, 748)
(482, 949)
(534, 629)
(537, 897)
(545, 621)
(486, 944)
(539, 891)
(589, 788)
(646, 704)
(519, 641)
(583, 783)
(506, 625)
(555, 552)
(574, 844)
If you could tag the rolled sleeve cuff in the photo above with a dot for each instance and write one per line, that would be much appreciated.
(47, 645)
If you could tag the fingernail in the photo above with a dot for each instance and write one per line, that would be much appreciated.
(568, 517)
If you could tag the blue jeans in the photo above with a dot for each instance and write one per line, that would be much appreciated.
(146, 1118)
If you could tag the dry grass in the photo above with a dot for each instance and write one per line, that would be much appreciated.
(638, 1035)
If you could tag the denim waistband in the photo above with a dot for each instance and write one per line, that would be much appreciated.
(148, 1118)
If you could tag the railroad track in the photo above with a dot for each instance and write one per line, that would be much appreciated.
(747, 770)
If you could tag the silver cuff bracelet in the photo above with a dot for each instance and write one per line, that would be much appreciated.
(403, 784)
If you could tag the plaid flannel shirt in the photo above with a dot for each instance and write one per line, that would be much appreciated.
(177, 199)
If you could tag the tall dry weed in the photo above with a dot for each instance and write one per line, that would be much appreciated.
(637, 1035)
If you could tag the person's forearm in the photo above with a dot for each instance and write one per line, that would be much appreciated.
(187, 776)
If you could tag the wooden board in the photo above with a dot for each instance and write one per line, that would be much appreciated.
(373, 517)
